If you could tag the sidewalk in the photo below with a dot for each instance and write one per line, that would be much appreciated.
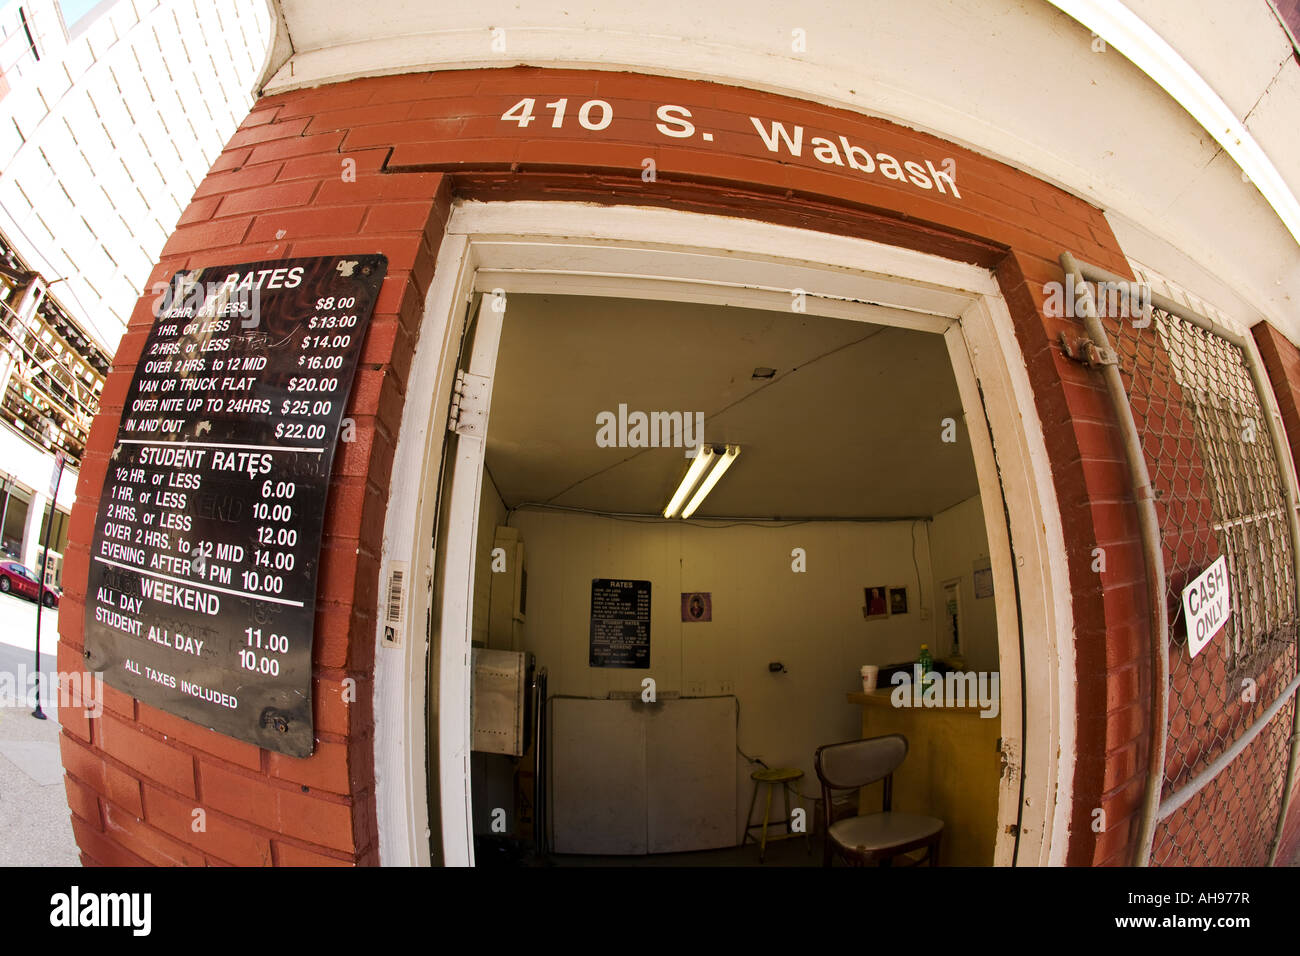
(35, 827)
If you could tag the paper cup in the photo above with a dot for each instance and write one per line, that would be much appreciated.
(870, 673)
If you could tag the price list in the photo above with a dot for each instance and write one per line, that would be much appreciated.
(620, 623)
(201, 593)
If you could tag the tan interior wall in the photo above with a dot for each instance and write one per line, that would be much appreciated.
(492, 512)
(763, 611)
(959, 540)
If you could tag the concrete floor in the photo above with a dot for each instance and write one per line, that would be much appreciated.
(35, 826)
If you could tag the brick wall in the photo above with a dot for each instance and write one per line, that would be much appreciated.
(135, 775)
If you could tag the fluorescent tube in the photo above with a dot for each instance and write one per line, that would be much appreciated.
(721, 464)
(703, 458)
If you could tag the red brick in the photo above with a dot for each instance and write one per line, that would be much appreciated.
(83, 763)
(371, 188)
(398, 217)
(1121, 688)
(101, 849)
(353, 459)
(83, 801)
(230, 159)
(290, 855)
(262, 112)
(330, 167)
(118, 702)
(344, 507)
(368, 115)
(333, 713)
(203, 236)
(1126, 725)
(333, 632)
(199, 210)
(72, 719)
(220, 184)
(123, 789)
(266, 132)
(229, 840)
(402, 251)
(153, 845)
(297, 146)
(250, 798)
(260, 199)
(325, 769)
(156, 760)
(316, 820)
(288, 226)
(201, 738)
(1121, 766)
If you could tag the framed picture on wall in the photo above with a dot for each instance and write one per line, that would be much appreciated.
(898, 600)
(697, 606)
(877, 605)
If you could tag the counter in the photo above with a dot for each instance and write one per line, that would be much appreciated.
(951, 771)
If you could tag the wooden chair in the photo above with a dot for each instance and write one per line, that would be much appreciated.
(872, 837)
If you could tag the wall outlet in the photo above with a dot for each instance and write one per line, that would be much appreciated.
(695, 688)
(727, 688)
(925, 614)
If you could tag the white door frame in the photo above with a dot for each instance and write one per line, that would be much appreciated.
(651, 253)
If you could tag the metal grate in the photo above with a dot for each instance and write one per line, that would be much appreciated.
(1218, 491)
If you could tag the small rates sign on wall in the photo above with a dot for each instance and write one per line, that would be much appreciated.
(201, 595)
(620, 623)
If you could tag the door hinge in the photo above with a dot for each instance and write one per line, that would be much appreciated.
(469, 401)
(1087, 352)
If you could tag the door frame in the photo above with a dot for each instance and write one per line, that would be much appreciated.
(654, 253)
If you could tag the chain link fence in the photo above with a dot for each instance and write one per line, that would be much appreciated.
(1218, 491)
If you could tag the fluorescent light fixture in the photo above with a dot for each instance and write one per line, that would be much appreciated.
(704, 457)
(721, 463)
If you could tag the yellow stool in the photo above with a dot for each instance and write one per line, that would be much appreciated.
(772, 776)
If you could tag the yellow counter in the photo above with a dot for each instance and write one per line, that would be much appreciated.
(951, 771)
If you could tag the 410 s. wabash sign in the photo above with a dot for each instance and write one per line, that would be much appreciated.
(201, 596)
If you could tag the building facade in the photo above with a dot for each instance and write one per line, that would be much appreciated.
(963, 170)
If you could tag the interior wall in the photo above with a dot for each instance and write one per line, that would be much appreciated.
(959, 543)
(763, 611)
(491, 513)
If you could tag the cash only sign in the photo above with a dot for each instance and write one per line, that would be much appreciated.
(201, 595)
(1206, 605)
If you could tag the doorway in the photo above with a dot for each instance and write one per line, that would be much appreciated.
(514, 251)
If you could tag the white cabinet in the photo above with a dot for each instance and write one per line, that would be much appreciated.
(629, 777)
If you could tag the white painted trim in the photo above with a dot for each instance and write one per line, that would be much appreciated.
(1046, 610)
(401, 692)
(1122, 29)
(455, 653)
(645, 245)
(977, 412)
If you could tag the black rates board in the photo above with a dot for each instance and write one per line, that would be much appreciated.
(201, 594)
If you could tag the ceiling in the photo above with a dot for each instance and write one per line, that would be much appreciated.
(849, 426)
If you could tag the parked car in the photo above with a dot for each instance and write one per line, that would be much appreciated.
(19, 579)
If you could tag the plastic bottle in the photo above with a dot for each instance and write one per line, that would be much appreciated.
(926, 662)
